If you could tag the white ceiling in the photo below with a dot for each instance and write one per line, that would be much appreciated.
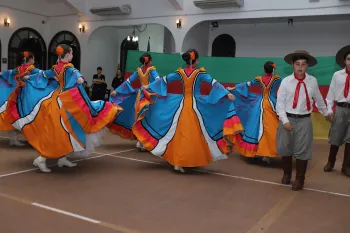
(48, 8)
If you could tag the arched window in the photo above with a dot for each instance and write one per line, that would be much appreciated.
(27, 39)
(224, 46)
(124, 48)
(68, 38)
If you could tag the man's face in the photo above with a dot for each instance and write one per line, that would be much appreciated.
(300, 67)
(347, 61)
(99, 71)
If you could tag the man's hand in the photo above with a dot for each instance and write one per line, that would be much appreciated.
(287, 126)
(231, 97)
(80, 80)
(114, 93)
(330, 117)
(230, 88)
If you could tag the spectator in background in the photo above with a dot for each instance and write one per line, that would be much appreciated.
(98, 85)
(118, 80)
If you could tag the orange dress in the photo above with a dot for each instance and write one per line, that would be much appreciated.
(259, 118)
(189, 129)
(64, 120)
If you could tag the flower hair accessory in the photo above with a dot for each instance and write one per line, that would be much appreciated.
(192, 56)
(274, 66)
(25, 54)
(59, 50)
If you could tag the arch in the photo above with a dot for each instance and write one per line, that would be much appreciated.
(124, 48)
(27, 39)
(224, 45)
(68, 38)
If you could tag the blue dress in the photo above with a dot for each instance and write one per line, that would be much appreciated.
(189, 129)
(127, 97)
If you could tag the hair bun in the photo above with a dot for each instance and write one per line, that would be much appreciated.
(186, 57)
(142, 60)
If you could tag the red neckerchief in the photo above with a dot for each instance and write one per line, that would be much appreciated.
(347, 83)
(297, 90)
(189, 69)
(23, 68)
(266, 79)
(144, 68)
(60, 66)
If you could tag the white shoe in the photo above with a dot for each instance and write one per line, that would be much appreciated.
(180, 169)
(65, 162)
(266, 160)
(14, 142)
(138, 145)
(40, 162)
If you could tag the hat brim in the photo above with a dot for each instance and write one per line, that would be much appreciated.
(311, 60)
(339, 58)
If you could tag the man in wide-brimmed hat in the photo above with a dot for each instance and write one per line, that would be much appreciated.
(338, 92)
(294, 106)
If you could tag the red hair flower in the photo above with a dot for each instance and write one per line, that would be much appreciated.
(26, 54)
(192, 56)
(59, 50)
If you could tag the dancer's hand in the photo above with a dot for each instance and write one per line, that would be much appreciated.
(145, 87)
(230, 88)
(80, 80)
(114, 93)
(56, 78)
(288, 126)
(231, 97)
(26, 77)
(329, 117)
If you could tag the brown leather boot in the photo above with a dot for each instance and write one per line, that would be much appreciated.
(331, 158)
(346, 162)
(287, 162)
(301, 166)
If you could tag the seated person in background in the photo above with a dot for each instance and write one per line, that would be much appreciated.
(118, 80)
(99, 86)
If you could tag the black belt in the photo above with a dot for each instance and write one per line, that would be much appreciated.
(343, 104)
(298, 115)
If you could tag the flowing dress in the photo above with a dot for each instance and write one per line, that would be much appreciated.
(258, 116)
(189, 129)
(63, 120)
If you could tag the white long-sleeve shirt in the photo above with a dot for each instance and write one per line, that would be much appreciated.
(336, 90)
(285, 97)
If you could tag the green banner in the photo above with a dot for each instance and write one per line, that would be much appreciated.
(234, 70)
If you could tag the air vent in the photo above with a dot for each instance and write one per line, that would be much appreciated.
(118, 10)
(209, 4)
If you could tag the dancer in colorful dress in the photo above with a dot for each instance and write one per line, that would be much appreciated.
(294, 107)
(189, 129)
(10, 80)
(338, 92)
(128, 97)
(64, 122)
(258, 115)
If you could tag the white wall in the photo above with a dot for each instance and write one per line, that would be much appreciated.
(18, 20)
(104, 43)
(197, 38)
(277, 39)
(251, 8)
(169, 41)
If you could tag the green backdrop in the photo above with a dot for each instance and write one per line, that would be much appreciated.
(234, 70)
